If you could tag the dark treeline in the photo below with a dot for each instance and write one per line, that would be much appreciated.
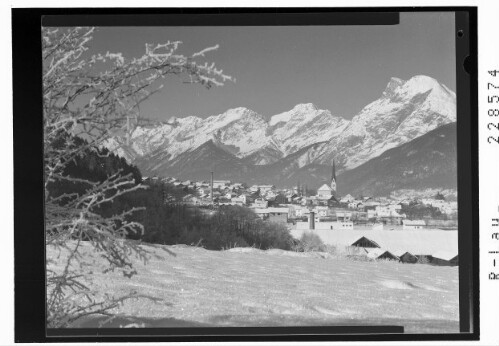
(416, 210)
(165, 220)
(93, 165)
(175, 223)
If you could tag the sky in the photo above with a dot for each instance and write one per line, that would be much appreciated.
(339, 68)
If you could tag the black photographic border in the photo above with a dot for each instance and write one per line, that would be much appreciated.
(29, 240)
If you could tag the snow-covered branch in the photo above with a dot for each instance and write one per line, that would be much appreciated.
(88, 99)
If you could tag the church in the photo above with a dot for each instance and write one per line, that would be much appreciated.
(328, 192)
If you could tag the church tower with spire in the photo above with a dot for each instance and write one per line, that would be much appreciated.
(333, 179)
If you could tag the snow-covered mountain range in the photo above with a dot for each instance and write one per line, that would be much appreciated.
(304, 135)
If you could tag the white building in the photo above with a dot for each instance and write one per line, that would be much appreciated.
(371, 213)
(265, 188)
(347, 199)
(260, 203)
(321, 211)
(279, 215)
(297, 211)
(239, 200)
(324, 192)
(413, 224)
(390, 210)
(343, 216)
(354, 204)
(326, 225)
(270, 194)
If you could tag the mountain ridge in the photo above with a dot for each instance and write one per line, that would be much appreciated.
(406, 109)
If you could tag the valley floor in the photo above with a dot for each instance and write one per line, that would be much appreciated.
(251, 287)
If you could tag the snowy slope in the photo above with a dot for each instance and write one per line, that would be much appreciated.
(248, 287)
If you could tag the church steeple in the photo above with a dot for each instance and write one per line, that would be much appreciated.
(333, 178)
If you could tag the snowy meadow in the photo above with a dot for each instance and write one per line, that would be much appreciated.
(190, 286)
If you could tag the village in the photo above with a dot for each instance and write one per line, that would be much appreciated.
(408, 230)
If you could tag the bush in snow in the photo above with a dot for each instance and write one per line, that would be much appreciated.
(310, 241)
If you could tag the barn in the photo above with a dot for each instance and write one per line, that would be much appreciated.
(365, 242)
(389, 256)
(408, 257)
(445, 258)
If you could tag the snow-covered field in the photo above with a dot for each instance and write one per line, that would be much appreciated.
(251, 287)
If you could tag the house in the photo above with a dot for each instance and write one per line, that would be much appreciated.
(253, 188)
(204, 191)
(371, 214)
(365, 243)
(298, 211)
(390, 210)
(371, 204)
(408, 257)
(270, 195)
(325, 225)
(265, 188)
(413, 224)
(389, 256)
(229, 195)
(239, 200)
(321, 211)
(260, 203)
(343, 216)
(279, 215)
(353, 204)
(347, 199)
(324, 192)
(330, 202)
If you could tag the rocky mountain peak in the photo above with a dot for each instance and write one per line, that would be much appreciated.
(392, 86)
(305, 108)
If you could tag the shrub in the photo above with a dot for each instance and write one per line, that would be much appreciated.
(423, 260)
(312, 242)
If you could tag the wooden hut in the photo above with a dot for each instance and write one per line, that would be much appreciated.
(365, 242)
(389, 256)
(445, 258)
(408, 257)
